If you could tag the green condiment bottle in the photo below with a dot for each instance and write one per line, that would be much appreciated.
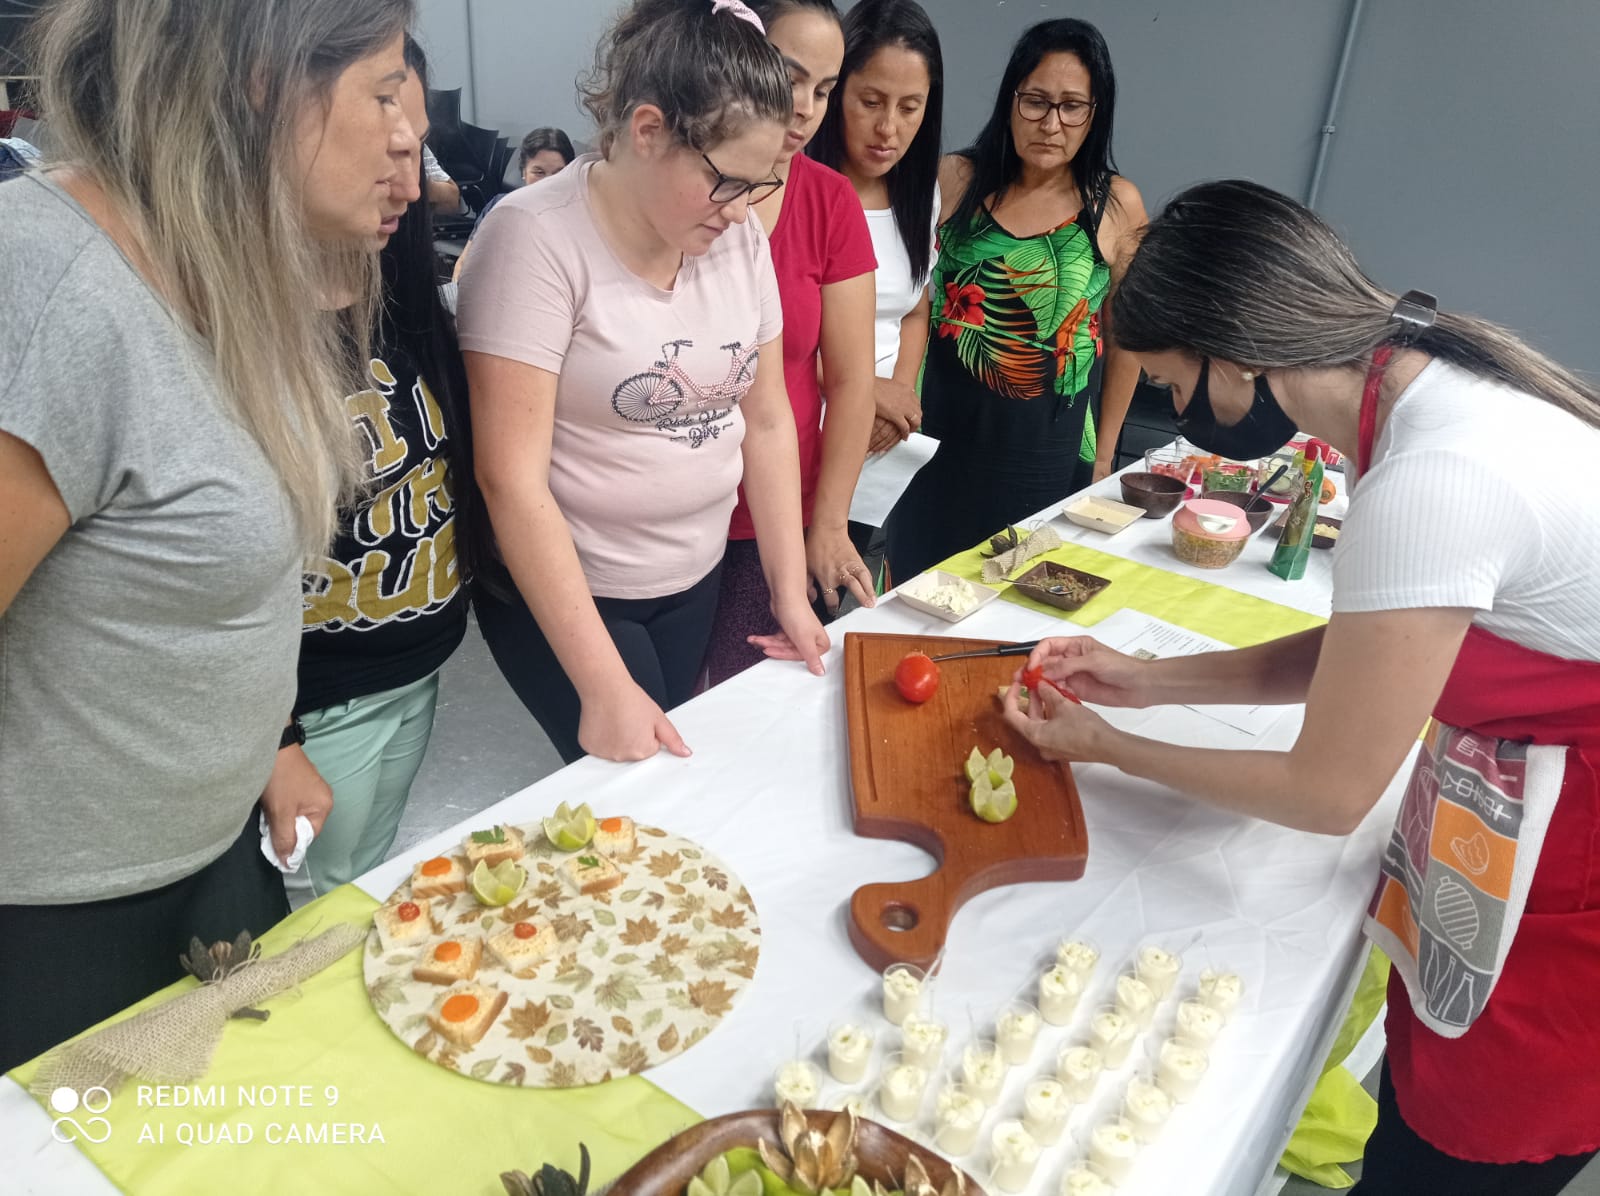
(1294, 547)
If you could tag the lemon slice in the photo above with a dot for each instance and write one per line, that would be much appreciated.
(991, 802)
(569, 829)
(975, 765)
(1000, 766)
(498, 885)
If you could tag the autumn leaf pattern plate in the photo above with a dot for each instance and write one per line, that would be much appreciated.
(642, 973)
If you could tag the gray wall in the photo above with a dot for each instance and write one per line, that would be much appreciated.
(1466, 161)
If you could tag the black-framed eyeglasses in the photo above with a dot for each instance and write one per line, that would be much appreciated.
(727, 189)
(1034, 107)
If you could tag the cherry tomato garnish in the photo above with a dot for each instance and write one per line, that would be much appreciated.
(524, 930)
(916, 677)
(1034, 677)
(408, 911)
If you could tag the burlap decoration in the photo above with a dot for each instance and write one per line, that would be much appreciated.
(1001, 565)
(173, 1042)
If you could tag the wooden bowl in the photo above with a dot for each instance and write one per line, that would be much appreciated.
(1258, 517)
(1081, 586)
(1320, 541)
(666, 1171)
(1154, 493)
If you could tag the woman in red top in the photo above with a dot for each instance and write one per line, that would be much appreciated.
(1465, 588)
(822, 252)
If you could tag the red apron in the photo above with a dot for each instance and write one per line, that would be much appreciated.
(1522, 1084)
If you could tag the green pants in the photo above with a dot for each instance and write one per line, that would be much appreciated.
(368, 750)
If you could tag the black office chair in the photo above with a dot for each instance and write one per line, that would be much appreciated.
(444, 107)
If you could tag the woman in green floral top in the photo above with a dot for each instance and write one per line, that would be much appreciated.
(1037, 227)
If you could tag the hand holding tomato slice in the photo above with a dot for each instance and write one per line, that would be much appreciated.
(916, 677)
(1033, 677)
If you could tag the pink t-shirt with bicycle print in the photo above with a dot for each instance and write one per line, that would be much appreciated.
(645, 460)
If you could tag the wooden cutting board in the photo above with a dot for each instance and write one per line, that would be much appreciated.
(908, 783)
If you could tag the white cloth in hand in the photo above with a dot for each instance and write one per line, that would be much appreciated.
(303, 834)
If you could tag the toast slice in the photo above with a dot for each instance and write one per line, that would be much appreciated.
(441, 876)
(403, 924)
(521, 948)
(450, 961)
(463, 1014)
(589, 872)
(494, 846)
(615, 836)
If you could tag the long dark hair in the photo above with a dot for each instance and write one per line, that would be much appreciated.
(1236, 271)
(546, 138)
(869, 27)
(995, 163)
(415, 320)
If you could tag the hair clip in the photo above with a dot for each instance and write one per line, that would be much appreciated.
(1416, 307)
(741, 10)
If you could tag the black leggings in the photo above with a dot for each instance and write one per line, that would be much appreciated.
(1399, 1163)
(66, 967)
(662, 641)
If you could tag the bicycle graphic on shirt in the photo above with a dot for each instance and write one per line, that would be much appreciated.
(658, 395)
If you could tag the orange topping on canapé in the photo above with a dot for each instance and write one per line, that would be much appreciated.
(447, 951)
(524, 930)
(611, 825)
(459, 1008)
(408, 911)
(437, 866)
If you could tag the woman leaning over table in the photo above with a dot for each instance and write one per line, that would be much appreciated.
(169, 456)
(386, 604)
(1465, 588)
(822, 255)
(622, 332)
(1038, 226)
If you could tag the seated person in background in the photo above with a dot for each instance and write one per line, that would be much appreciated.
(544, 152)
(443, 193)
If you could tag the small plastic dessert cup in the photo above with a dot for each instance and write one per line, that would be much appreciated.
(1180, 1067)
(1113, 1147)
(1078, 955)
(1083, 1178)
(1016, 1032)
(903, 986)
(1146, 1107)
(1045, 1110)
(901, 1089)
(1135, 1000)
(957, 1117)
(983, 1070)
(849, 1051)
(1112, 1035)
(1079, 1067)
(1013, 1156)
(1198, 1024)
(798, 1081)
(1159, 969)
(1221, 990)
(922, 1041)
(1059, 990)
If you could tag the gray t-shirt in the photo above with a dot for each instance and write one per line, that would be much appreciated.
(147, 666)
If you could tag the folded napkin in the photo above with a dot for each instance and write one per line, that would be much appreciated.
(1002, 564)
(303, 834)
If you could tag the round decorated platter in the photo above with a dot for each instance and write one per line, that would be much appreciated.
(604, 961)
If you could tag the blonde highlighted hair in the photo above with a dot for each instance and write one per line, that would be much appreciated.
(183, 112)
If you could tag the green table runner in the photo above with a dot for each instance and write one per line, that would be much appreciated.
(441, 1132)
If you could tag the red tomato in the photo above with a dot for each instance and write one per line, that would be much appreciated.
(916, 677)
(1033, 678)
(408, 911)
(524, 930)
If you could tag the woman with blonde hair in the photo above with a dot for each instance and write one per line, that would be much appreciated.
(172, 447)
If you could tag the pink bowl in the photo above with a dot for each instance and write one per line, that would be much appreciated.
(1188, 519)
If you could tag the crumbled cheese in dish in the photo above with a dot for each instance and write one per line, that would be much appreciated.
(956, 596)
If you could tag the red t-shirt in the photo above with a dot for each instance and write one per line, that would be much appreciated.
(821, 239)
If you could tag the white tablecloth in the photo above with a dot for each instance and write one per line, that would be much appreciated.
(768, 790)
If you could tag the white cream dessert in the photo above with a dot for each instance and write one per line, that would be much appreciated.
(849, 1052)
(1112, 1148)
(1135, 1001)
(922, 1041)
(1221, 990)
(1112, 1035)
(1159, 969)
(850, 1102)
(1078, 1068)
(1059, 990)
(1179, 1068)
(1016, 1032)
(1045, 1109)
(1198, 1024)
(956, 597)
(1080, 1181)
(983, 1070)
(1014, 1154)
(1146, 1108)
(900, 1092)
(1078, 956)
(958, 1115)
(902, 992)
(798, 1083)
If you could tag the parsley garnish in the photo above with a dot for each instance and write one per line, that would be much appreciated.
(589, 861)
(497, 835)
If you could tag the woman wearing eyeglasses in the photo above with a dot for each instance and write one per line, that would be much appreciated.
(622, 332)
(1037, 226)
